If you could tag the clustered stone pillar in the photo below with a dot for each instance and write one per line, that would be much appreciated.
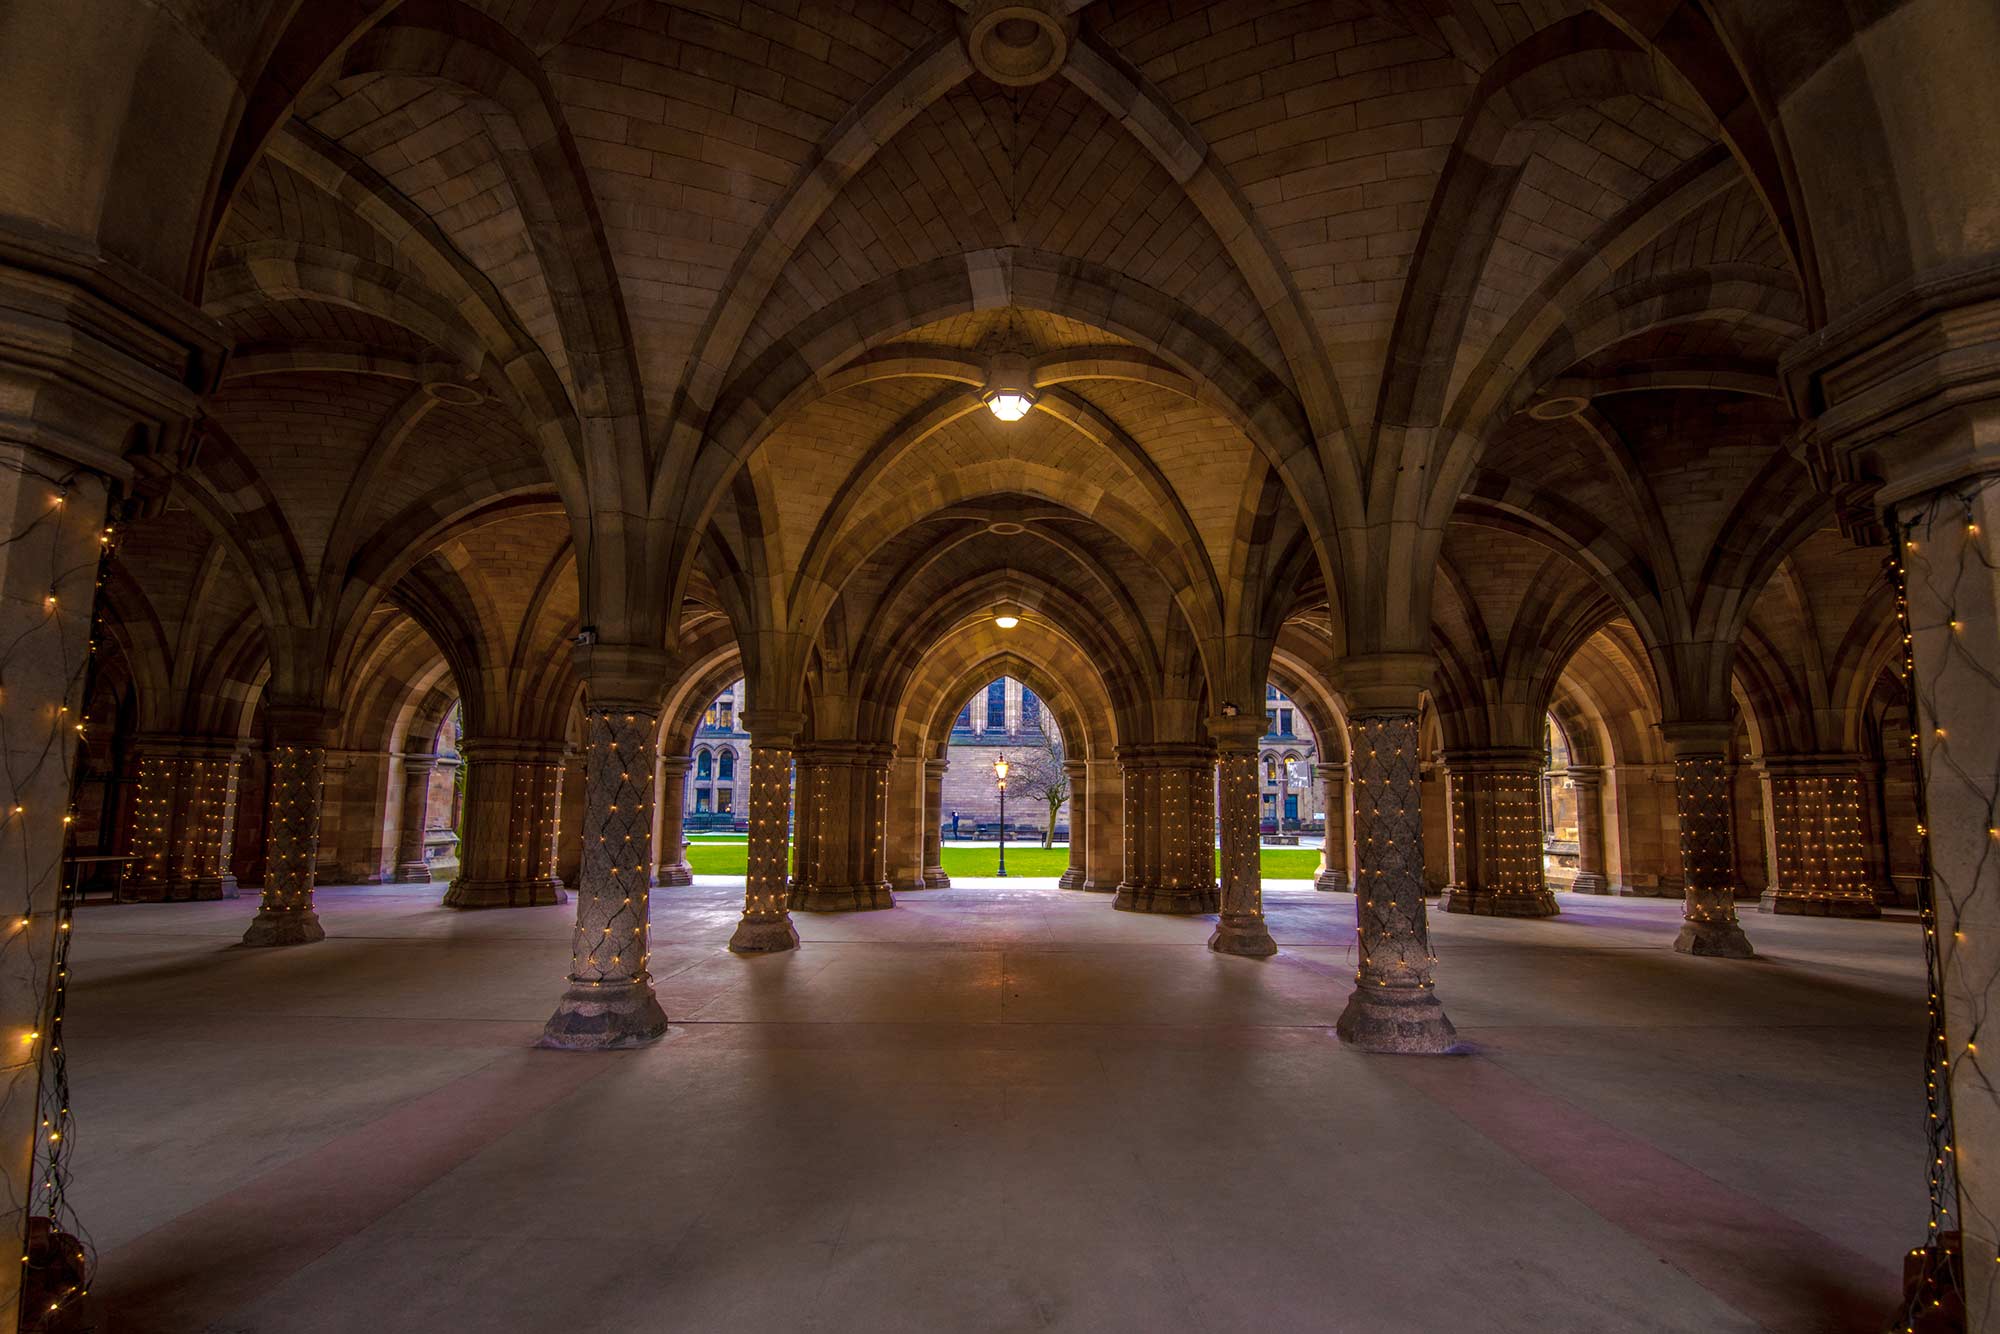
(1169, 848)
(291, 828)
(1496, 814)
(1332, 874)
(672, 867)
(1241, 929)
(513, 814)
(848, 869)
(1394, 1007)
(1702, 799)
(1589, 783)
(934, 876)
(413, 865)
(1078, 774)
(1104, 793)
(1816, 836)
(767, 922)
(183, 823)
(610, 1001)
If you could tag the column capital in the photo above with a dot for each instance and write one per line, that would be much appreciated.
(1075, 769)
(628, 677)
(776, 729)
(936, 768)
(1383, 682)
(1585, 775)
(1238, 732)
(675, 766)
(1826, 764)
(1688, 739)
(1494, 760)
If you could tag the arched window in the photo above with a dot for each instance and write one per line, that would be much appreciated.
(725, 766)
(702, 762)
(1270, 767)
(996, 706)
(1031, 709)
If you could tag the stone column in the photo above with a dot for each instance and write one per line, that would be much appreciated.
(904, 823)
(286, 915)
(934, 876)
(1078, 774)
(1394, 1007)
(672, 867)
(767, 924)
(850, 871)
(1241, 929)
(1702, 800)
(150, 821)
(513, 799)
(1588, 780)
(205, 824)
(1332, 874)
(1104, 845)
(810, 796)
(412, 864)
(1816, 836)
(610, 1002)
(1165, 787)
(1496, 811)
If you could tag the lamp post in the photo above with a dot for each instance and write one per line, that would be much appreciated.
(1000, 776)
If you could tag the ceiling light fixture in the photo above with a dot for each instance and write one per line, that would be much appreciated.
(1010, 387)
(1006, 615)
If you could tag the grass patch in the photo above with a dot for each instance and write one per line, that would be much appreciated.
(724, 855)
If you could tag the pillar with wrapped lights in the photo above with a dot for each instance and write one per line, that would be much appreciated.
(609, 1002)
(1331, 877)
(513, 808)
(413, 820)
(205, 821)
(156, 770)
(850, 830)
(1168, 868)
(1496, 814)
(1394, 1007)
(1078, 775)
(1816, 837)
(1241, 928)
(811, 798)
(286, 915)
(1703, 802)
(766, 925)
(934, 874)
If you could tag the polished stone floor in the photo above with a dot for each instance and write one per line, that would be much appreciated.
(994, 1108)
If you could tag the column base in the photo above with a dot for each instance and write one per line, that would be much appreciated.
(1589, 882)
(412, 873)
(1714, 940)
(144, 891)
(1099, 886)
(1331, 881)
(605, 1018)
(1406, 1021)
(284, 928)
(1243, 934)
(764, 935)
(1164, 899)
(673, 874)
(210, 888)
(1070, 879)
(935, 878)
(1816, 905)
(843, 898)
(1457, 898)
(504, 893)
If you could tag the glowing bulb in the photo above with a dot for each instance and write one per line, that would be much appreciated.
(1010, 405)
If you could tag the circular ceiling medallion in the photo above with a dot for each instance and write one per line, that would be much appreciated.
(463, 395)
(1005, 528)
(1555, 409)
(1015, 43)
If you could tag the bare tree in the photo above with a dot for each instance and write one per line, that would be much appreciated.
(1038, 772)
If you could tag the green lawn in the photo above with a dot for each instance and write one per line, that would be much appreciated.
(723, 855)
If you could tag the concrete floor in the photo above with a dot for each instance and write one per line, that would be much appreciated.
(995, 1108)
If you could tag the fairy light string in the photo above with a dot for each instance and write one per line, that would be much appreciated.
(1941, 533)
